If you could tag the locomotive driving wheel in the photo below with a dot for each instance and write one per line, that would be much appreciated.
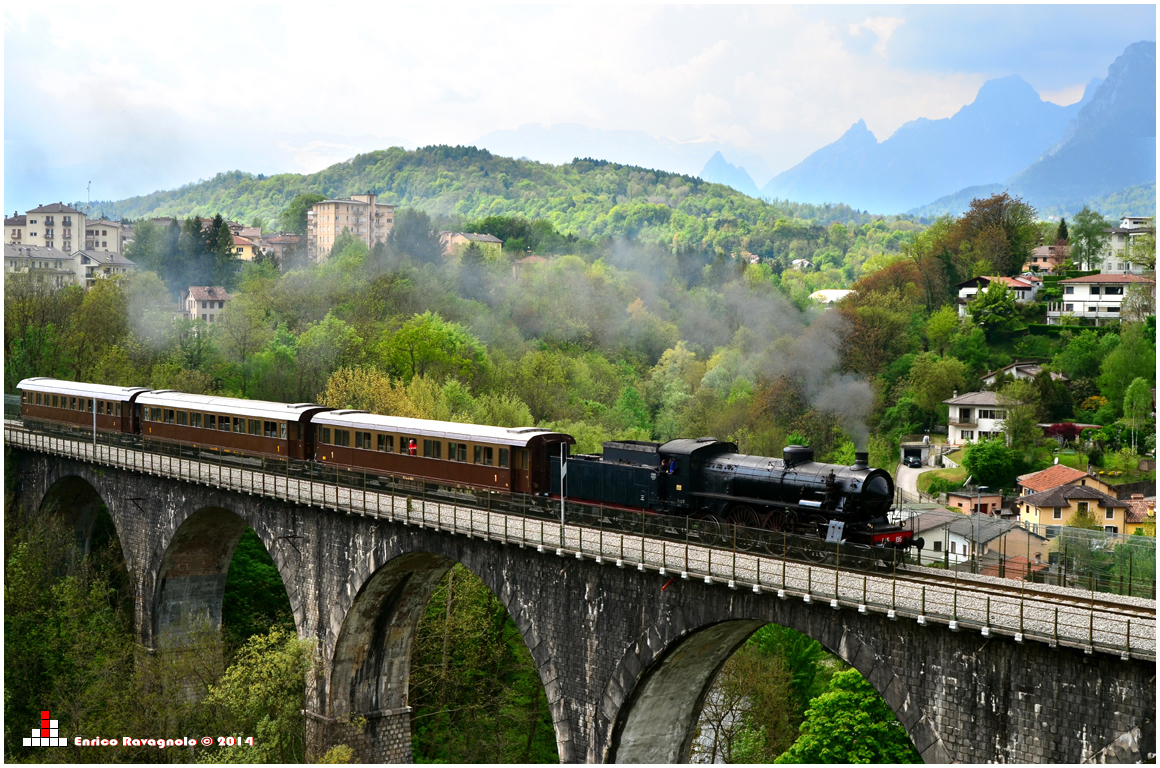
(812, 546)
(745, 523)
(709, 530)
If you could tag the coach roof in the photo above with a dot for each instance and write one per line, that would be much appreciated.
(79, 388)
(235, 406)
(447, 430)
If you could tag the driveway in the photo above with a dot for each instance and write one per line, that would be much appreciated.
(906, 478)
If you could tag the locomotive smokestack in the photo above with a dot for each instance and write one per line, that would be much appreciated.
(861, 460)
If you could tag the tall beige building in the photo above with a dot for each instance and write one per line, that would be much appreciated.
(55, 225)
(367, 219)
(103, 235)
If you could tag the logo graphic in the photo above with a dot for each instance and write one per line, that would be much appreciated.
(46, 735)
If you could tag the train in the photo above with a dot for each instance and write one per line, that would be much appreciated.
(699, 478)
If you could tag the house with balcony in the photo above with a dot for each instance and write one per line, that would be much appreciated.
(102, 264)
(103, 235)
(1059, 505)
(55, 225)
(55, 267)
(365, 217)
(1025, 288)
(1046, 258)
(1094, 299)
(14, 227)
(974, 416)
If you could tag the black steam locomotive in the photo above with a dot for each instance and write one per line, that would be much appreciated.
(708, 480)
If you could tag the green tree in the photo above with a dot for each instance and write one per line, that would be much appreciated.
(263, 693)
(1080, 356)
(990, 462)
(1137, 406)
(429, 345)
(998, 231)
(293, 217)
(850, 723)
(994, 309)
(1061, 235)
(941, 327)
(415, 235)
(1021, 406)
(1088, 238)
(255, 597)
(242, 330)
(934, 379)
(1134, 357)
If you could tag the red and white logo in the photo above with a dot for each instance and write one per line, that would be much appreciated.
(46, 735)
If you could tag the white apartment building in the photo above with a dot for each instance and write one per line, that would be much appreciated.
(367, 219)
(974, 416)
(1094, 297)
(1115, 257)
(102, 264)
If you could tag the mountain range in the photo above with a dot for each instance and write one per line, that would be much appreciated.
(1007, 138)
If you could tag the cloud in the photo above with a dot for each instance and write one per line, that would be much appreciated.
(882, 27)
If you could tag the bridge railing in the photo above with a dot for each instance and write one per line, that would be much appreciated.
(843, 575)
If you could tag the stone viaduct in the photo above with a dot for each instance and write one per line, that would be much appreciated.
(625, 662)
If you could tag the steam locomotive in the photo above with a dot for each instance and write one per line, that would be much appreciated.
(708, 479)
(700, 478)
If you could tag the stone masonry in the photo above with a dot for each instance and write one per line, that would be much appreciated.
(625, 657)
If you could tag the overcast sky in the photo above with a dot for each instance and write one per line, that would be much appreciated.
(136, 99)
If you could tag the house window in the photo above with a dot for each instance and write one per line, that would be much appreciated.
(1057, 513)
(1070, 289)
(964, 414)
(953, 548)
(1114, 290)
(1111, 529)
(1069, 307)
(938, 546)
(1082, 507)
(968, 434)
(1095, 290)
(1110, 513)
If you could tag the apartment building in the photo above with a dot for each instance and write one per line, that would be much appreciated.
(14, 227)
(54, 266)
(55, 225)
(1093, 297)
(103, 235)
(363, 215)
(1114, 260)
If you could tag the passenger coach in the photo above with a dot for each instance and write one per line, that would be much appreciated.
(468, 454)
(74, 403)
(249, 426)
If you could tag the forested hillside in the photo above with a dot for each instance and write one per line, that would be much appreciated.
(591, 199)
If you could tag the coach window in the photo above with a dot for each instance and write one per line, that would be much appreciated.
(255, 426)
(183, 418)
(169, 416)
(387, 443)
(523, 458)
(118, 409)
(362, 440)
(211, 421)
(72, 403)
(325, 439)
(483, 455)
(342, 437)
(239, 425)
(100, 407)
(503, 457)
(412, 446)
(56, 401)
(457, 451)
(282, 430)
(195, 419)
(38, 398)
(270, 429)
(224, 422)
(433, 449)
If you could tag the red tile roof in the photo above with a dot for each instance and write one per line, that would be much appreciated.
(1140, 509)
(208, 292)
(1049, 478)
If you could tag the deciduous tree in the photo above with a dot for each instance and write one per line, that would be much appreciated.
(1088, 238)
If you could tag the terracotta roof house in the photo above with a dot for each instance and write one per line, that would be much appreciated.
(1098, 298)
(205, 302)
(1055, 476)
(1059, 505)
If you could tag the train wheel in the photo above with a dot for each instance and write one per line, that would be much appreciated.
(709, 530)
(812, 546)
(746, 525)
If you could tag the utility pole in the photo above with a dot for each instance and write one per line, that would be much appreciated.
(978, 518)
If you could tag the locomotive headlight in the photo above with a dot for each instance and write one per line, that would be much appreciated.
(877, 487)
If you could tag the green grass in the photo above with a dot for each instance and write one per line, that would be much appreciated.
(956, 475)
